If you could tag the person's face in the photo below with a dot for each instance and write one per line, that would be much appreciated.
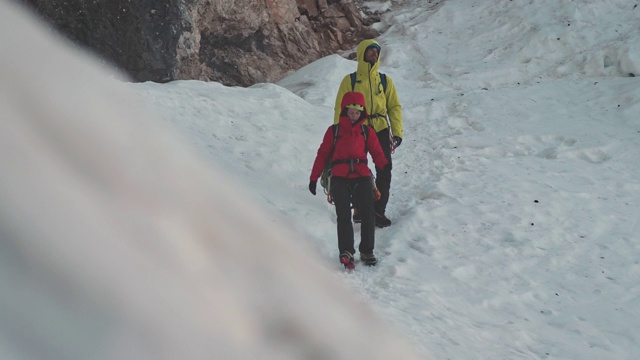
(371, 55)
(353, 114)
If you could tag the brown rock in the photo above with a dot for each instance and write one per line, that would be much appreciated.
(236, 43)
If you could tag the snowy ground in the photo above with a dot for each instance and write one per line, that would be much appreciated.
(516, 191)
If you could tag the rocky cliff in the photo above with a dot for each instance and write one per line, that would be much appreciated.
(239, 42)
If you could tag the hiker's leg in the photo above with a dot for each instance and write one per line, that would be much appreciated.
(383, 176)
(342, 200)
(363, 195)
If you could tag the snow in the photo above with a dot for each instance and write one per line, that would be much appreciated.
(516, 191)
(120, 241)
(515, 194)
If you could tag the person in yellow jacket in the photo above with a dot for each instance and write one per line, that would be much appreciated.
(385, 115)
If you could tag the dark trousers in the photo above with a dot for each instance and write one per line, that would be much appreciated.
(383, 176)
(344, 191)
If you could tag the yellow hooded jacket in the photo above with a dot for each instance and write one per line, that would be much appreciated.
(377, 100)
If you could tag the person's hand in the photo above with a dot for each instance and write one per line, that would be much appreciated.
(312, 186)
(397, 140)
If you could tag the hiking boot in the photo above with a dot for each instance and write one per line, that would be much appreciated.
(368, 259)
(346, 259)
(382, 221)
(357, 219)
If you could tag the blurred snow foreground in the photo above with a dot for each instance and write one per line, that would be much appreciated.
(117, 242)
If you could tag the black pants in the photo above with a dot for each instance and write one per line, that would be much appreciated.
(383, 176)
(344, 191)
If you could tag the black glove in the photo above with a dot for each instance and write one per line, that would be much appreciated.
(312, 186)
(397, 140)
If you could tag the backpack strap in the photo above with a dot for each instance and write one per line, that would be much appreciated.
(333, 147)
(353, 81)
(365, 133)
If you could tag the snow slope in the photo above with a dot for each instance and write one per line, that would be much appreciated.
(515, 196)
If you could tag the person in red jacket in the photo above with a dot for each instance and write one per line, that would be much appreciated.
(351, 178)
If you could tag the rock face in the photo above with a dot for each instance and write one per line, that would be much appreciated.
(238, 42)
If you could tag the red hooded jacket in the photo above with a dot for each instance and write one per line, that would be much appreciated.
(350, 145)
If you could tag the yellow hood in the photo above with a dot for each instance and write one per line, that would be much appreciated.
(363, 66)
